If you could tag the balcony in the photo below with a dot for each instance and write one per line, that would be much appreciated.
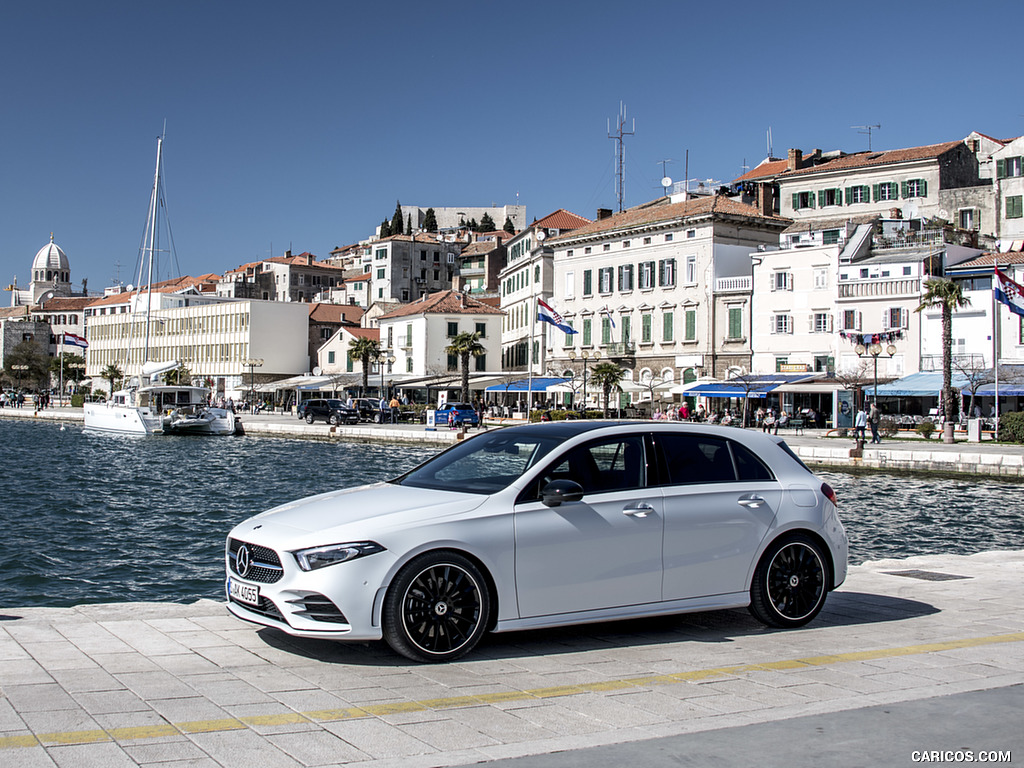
(741, 284)
(864, 288)
(619, 349)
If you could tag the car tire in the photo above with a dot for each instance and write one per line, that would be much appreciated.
(333, 420)
(790, 583)
(309, 418)
(437, 608)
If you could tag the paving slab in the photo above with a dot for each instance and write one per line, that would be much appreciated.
(186, 684)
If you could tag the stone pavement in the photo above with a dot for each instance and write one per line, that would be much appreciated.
(149, 684)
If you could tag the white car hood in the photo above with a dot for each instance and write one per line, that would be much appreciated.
(345, 512)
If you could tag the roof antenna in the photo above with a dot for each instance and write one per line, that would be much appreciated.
(620, 151)
(866, 130)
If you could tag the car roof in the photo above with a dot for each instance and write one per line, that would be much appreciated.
(571, 428)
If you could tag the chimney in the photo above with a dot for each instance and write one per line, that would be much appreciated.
(603, 213)
(309, 259)
(288, 253)
(794, 159)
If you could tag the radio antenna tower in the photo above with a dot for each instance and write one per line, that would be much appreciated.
(620, 151)
(866, 129)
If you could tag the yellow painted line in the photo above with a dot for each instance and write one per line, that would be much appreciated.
(391, 708)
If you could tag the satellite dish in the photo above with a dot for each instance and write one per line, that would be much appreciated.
(666, 182)
(541, 234)
(943, 214)
(317, 371)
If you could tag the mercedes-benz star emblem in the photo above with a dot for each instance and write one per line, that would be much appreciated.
(242, 561)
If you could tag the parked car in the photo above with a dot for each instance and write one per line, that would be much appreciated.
(331, 411)
(368, 409)
(464, 415)
(544, 525)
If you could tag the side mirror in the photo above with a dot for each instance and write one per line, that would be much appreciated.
(557, 491)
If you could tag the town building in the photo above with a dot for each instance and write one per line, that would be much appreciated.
(407, 267)
(1009, 173)
(459, 216)
(298, 278)
(326, 319)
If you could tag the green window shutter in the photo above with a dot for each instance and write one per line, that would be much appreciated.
(796, 199)
(1000, 169)
(691, 324)
(735, 323)
(646, 328)
(903, 189)
(839, 196)
(586, 331)
(606, 330)
(924, 188)
(810, 199)
(874, 189)
(849, 195)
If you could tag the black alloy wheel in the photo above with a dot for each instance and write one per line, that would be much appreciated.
(309, 418)
(334, 420)
(790, 583)
(437, 608)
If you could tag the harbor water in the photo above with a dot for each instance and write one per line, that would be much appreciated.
(93, 518)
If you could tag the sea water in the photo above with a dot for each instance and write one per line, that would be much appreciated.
(89, 518)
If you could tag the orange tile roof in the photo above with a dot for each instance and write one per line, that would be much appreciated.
(335, 313)
(870, 159)
(66, 303)
(561, 219)
(992, 260)
(766, 169)
(447, 302)
(659, 212)
(364, 333)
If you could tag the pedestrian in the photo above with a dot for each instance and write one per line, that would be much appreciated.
(860, 424)
(768, 421)
(874, 417)
(394, 406)
(684, 411)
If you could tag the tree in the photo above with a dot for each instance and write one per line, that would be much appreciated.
(69, 367)
(27, 353)
(397, 225)
(465, 345)
(364, 350)
(430, 220)
(977, 374)
(408, 225)
(112, 374)
(180, 375)
(487, 224)
(509, 226)
(607, 376)
(855, 379)
(473, 226)
(385, 229)
(948, 296)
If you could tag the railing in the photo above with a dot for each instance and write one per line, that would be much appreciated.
(933, 237)
(619, 349)
(734, 284)
(866, 287)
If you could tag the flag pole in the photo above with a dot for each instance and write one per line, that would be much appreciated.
(60, 357)
(996, 345)
(529, 358)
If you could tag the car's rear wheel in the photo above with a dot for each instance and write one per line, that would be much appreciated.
(437, 608)
(334, 420)
(790, 583)
(309, 418)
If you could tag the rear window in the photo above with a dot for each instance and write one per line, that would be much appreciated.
(696, 458)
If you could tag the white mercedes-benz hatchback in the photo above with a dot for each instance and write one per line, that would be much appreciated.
(545, 525)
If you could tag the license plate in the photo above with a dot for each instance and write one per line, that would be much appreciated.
(244, 593)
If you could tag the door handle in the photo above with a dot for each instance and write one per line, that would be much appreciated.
(638, 510)
(751, 502)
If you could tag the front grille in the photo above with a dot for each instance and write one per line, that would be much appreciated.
(318, 608)
(264, 564)
(266, 608)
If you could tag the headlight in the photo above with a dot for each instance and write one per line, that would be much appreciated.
(321, 557)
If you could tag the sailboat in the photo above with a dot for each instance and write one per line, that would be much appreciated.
(148, 404)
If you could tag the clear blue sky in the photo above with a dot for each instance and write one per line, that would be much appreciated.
(299, 124)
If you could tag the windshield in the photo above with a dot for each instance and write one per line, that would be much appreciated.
(485, 464)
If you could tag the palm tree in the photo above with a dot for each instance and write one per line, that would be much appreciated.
(465, 345)
(949, 296)
(112, 373)
(364, 350)
(180, 375)
(607, 376)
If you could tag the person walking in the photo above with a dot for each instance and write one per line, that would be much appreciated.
(860, 424)
(874, 417)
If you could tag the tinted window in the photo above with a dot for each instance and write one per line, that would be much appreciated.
(601, 466)
(693, 458)
(748, 465)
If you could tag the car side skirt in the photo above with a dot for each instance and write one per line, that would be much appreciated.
(693, 605)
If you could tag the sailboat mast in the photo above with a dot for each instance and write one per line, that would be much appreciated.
(154, 202)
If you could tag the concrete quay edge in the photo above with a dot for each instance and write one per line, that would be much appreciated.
(142, 684)
(988, 459)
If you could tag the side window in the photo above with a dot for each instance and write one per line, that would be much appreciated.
(691, 459)
(748, 465)
(617, 464)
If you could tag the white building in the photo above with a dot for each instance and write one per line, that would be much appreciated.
(1009, 162)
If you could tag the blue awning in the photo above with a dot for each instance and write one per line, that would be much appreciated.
(1009, 389)
(540, 384)
(755, 386)
(921, 384)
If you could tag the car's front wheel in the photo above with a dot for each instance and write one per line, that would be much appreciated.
(790, 583)
(437, 608)
(334, 420)
(309, 418)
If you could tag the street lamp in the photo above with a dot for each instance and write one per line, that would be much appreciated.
(585, 355)
(873, 351)
(383, 358)
(20, 369)
(252, 363)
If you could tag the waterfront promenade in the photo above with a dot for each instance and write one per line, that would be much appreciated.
(815, 447)
(150, 684)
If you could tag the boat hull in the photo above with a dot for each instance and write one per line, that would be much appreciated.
(124, 419)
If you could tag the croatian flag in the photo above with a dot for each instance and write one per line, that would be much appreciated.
(75, 341)
(1010, 293)
(548, 315)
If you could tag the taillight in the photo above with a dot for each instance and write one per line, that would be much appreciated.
(829, 493)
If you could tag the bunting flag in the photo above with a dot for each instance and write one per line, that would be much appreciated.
(1009, 293)
(872, 338)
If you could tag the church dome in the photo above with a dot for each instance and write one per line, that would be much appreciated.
(51, 258)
